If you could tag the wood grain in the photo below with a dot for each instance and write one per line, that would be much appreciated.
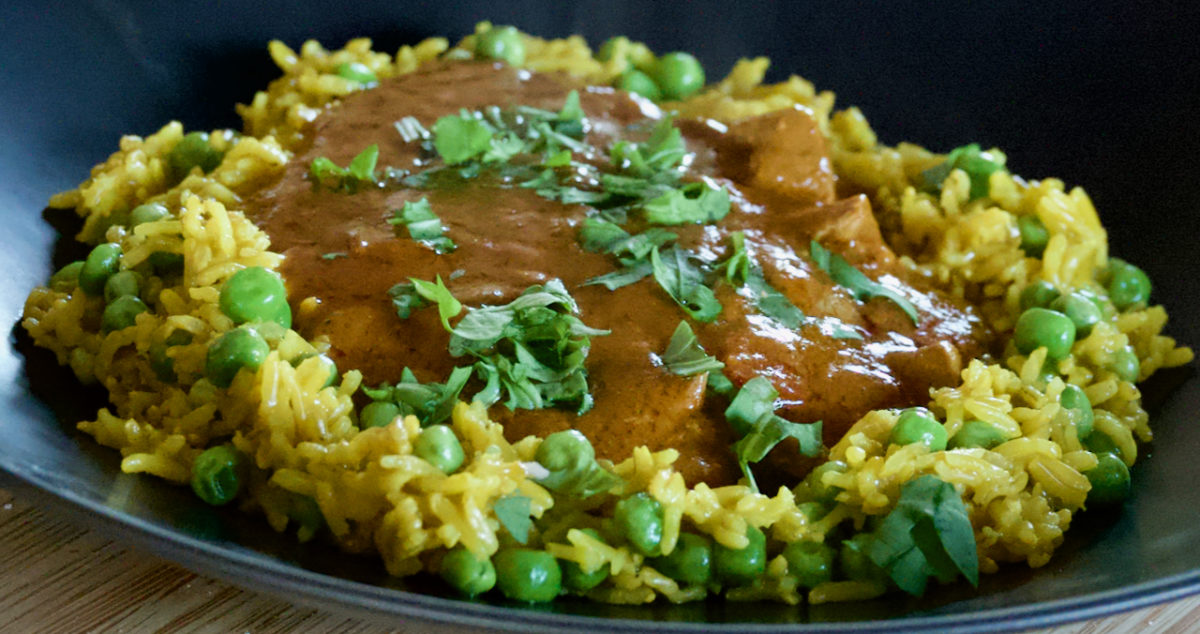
(58, 577)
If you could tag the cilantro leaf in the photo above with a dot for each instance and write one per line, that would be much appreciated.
(436, 292)
(853, 280)
(423, 225)
(685, 356)
(333, 255)
(461, 137)
(696, 203)
(406, 298)
(752, 416)
(684, 282)
(431, 403)
(632, 271)
(512, 511)
(928, 534)
(602, 236)
(325, 173)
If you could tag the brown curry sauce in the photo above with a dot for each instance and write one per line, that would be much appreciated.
(779, 173)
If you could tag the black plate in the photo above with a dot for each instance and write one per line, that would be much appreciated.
(1102, 96)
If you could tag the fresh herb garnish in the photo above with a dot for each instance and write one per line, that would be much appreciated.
(683, 280)
(853, 280)
(692, 203)
(601, 236)
(685, 356)
(406, 299)
(423, 225)
(333, 255)
(513, 511)
(631, 271)
(752, 416)
(928, 534)
(530, 352)
(978, 165)
(431, 403)
(361, 171)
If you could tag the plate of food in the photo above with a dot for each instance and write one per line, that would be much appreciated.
(503, 329)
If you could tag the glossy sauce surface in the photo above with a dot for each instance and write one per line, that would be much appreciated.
(779, 174)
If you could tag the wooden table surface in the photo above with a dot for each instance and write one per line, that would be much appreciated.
(58, 577)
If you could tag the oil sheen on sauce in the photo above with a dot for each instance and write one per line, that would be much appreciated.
(779, 174)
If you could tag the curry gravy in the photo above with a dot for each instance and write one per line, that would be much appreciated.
(781, 181)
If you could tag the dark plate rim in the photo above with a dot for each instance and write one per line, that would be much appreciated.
(259, 572)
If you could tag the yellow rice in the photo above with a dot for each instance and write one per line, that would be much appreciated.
(375, 495)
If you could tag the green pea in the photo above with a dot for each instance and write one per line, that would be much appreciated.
(466, 573)
(378, 414)
(162, 364)
(1076, 401)
(306, 513)
(917, 425)
(1040, 327)
(814, 511)
(1110, 481)
(529, 575)
(1128, 286)
(121, 313)
(503, 43)
(165, 262)
(691, 561)
(575, 579)
(1040, 294)
(678, 75)
(256, 294)
(1034, 235)
(192, 151)
(121, 284)
(1082, 312)
(639, 518)
(438, 446)
(356, 71)
(232, 351)
(1125, 364)
(102, 262)
(148, 212)
(609, 48)
(564, 450)
(976, 433)
(1101, 444)
(67, 278)
(811, 563)
(216, 474)
(636, 81)
(826, 494)
(855, 564)
(741, 567)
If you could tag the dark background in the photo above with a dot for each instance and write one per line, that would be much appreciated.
(1102, 94)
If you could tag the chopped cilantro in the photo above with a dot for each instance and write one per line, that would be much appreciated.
(461, 137)
(406, 298)
(853, 280)
(431, 403)
(632, 271)
(685, 356)
(978, 165)
(512, 511)
(693, 203)
(928, 534)
(684, 282)
(325, 173)
(423, 225)
(601, 236)
(529, 352)
(436, 292)
(333, 255)
(752, 416)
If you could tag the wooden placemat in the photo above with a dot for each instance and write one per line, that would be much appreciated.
(58, 577)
